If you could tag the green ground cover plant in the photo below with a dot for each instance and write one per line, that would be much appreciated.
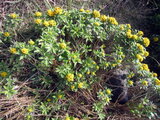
(61, 66)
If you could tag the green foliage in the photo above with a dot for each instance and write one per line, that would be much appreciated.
(145, 109)
(71, 53)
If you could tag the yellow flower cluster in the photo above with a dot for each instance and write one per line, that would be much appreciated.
(13, 15)
(135, 37)
(88, 11)
(130, 82)
(146, 41)
(70, 77)
(154, 74)
(63, 45)
(46, 23)
(80, 85)
(103, 18)
(24, 50)
(38, 14)
(140, 33)
(121, 27)
(145, 83)
(96, 23)
(96, 14)
(139, 57)
(112, 20)
(108, 91)
(6, 34)
(81, 10)
(52, 22)
(146, 53)
(13, 50)
(145, 67)
(31, 42)
(3, 74)
(56, 11)
(38, 21)
(128, 25)
(79, 75)
(129, 34)
(107, 99)
(157, 82)
(140, 47)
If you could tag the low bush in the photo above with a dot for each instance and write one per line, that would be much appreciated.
(63, 60)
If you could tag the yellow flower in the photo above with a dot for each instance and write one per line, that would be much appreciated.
(130, 82)
(13, 15)
(88, 11)
(107, 99)
(96, 14)
(145, 67)
(108, 91)
(103, 18)
(72, 87)
(93, 73)
(74, 56)
(112, 20)
(81, 10)
(30, 109)
(24, 50)
(13, 50)
(107, 64)
(121, 27)
(3, 74)
(46, 23)
(135, 37)
(6, 34)
(128, 25)
(59, 96)
(70, 77)
(129, 30)
(50, 13)
(145, 83)
(80, 85)
(58, 10)
(155, 39)
(140, 47)
(52, 23)
(157, 82)
(88, 72)
(97, 67)
(63, 45)
(79, 75)
(101, 93)
(146, 41)
(140, 33)
(129, 35)
(139, 57)
(96, 23)
(38, 14)
(67, 118)
(146, 53)
(154, 74)
(48, 100)
(119, 61)
(31, 42)
(38, 21)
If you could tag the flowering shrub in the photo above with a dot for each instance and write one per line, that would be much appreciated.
(71, 53)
